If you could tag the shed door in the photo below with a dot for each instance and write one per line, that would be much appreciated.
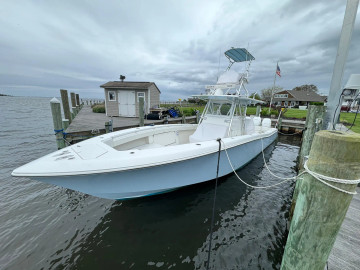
(127, 103)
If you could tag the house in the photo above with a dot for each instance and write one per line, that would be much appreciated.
(122, 98)
(294, 98)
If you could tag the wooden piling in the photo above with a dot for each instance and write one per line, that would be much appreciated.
(73, 99)
(107, 127)
(65, 103)
(141, 111)
(314, 118)
(320, 209)
(57, 120)
(65, 124)
(258, 110)
(313, 124)
(77, 100)
(279, 123)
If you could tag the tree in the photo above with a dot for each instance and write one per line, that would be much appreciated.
(256, 96)
(266, 92)
(306, 87)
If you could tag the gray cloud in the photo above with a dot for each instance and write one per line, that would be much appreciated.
(78, 45)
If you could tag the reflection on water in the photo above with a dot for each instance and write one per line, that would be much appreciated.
(46, 227)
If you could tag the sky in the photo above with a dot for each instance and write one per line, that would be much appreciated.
(79, 45)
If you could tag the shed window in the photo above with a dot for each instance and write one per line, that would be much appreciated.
(112, 96)
(140, 95)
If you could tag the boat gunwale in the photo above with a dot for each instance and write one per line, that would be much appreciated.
(115, 170)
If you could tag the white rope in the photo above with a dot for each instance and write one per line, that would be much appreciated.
(322, 179)
(317, 176)
(263, 187)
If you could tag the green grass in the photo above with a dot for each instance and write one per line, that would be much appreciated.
(348, 118)
(345, 118)
(295, 113)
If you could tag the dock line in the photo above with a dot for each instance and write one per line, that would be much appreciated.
(317, 176)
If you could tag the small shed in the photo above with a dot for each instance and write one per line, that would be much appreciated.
(122, 98)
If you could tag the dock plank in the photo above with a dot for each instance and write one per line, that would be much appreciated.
(87, 120)
(345, 254)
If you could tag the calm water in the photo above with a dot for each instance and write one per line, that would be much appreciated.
(47, 227)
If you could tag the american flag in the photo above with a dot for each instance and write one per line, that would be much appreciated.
(278, 70)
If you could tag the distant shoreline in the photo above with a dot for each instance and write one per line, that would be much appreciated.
(3, 95)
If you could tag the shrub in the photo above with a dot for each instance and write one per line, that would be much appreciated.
(99, 108)
(317, 103)
(265, 112)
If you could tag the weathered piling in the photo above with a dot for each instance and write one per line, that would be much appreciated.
(65, 103)
(73, 103)
(57, 120)
(73, 99)
(320, 209)
(77, 100)
(65, 124)
(141, 111)
(107, 127)
(183, 119)
(313, 124)
(279, 122)
(258, 110)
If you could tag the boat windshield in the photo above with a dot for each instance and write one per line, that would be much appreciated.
(217, 108)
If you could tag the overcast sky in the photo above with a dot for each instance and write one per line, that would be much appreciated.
(79, 45)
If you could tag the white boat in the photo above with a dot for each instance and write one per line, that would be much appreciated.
(150, 160)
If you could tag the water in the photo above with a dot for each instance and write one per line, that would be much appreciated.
(47, 227)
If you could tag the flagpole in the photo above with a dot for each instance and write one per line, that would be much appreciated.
(272, 92)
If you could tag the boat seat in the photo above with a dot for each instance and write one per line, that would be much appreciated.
(208, 131)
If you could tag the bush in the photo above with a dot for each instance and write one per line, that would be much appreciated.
(99, 108)
(265, 112)
(317, 103)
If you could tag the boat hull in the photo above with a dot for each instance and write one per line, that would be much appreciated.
(162, 178)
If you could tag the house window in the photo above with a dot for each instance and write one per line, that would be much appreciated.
(281, 95)
(112, 96)
(140, 95)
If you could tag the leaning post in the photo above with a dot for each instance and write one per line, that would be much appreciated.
(57, 120)
(141, 111)
(320, 209)
(65, 103)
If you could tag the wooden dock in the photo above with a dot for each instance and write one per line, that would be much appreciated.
(346, 251)
(88, 124)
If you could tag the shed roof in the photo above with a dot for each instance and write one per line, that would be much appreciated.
(128, 85)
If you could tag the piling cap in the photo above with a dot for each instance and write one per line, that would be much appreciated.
(54, 100)
(336, 152)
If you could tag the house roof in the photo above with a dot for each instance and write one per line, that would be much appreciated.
(294, 95)
(128, 85)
